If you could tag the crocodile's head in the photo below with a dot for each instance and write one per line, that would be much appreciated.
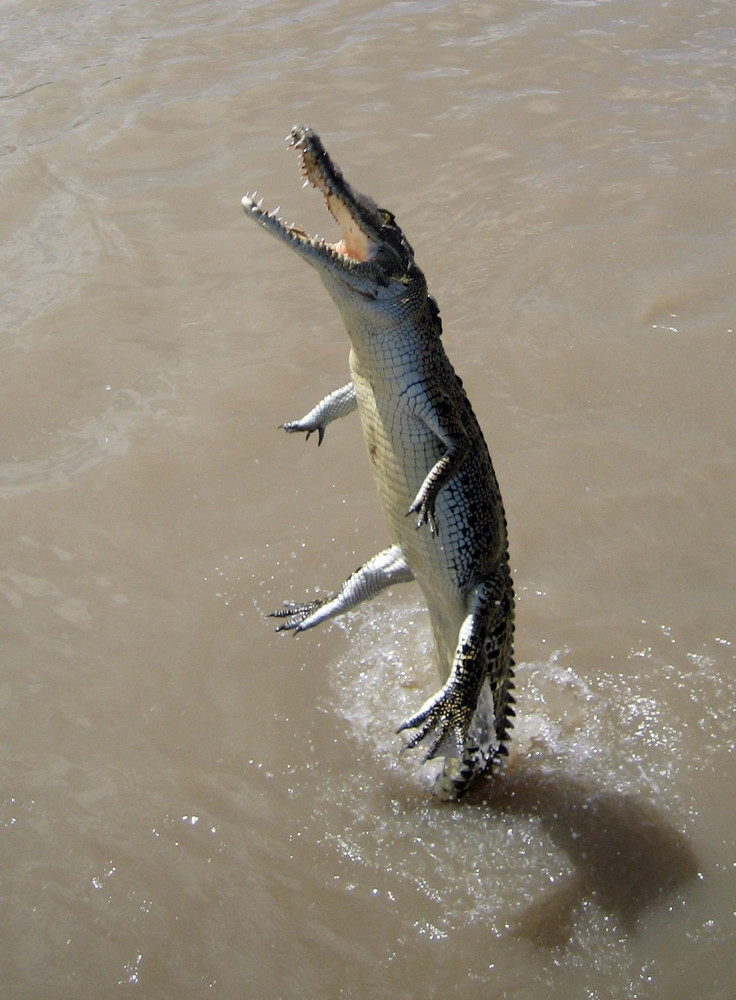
(372, 257)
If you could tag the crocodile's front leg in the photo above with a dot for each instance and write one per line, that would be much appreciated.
(432, 407)
(383, 570)
(337, 404)
(445, 718)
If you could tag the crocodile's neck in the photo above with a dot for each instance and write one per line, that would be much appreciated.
(387, 338)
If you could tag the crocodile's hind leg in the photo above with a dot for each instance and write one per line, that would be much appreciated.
(456, 775)
(385, 569)
(468, 720)
(488, 734)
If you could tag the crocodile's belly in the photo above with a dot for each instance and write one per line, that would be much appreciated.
(402, 450)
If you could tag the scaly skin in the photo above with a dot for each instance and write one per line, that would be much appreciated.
(432, 469)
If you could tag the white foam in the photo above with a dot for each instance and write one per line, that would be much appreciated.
(529, 852)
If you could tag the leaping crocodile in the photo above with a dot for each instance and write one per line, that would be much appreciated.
(432, 469)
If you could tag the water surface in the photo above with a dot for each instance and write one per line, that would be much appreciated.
(192, 805)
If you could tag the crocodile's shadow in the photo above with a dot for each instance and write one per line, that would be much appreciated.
(625, 854)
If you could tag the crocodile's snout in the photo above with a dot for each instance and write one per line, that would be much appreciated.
(371, 250)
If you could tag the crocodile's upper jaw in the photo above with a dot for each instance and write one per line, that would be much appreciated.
(372, 253)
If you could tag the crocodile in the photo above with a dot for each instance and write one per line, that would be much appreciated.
(432, 469)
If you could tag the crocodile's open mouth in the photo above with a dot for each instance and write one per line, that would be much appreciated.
(359, 219)
(317, 169)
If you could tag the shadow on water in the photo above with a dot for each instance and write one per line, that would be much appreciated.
(625, 854)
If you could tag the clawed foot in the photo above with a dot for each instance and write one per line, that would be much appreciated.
(424, 501)
(424, 506)
(444, 721)
(294, 426)
(295, 615)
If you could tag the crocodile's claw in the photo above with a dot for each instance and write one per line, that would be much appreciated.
(293, 426)
(444, 720)
(424, 501)
(424, 507)
(295, 614)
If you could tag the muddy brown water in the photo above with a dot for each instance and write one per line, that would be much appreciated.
(191, 805)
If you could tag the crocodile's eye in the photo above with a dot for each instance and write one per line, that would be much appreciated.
(388, 217)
